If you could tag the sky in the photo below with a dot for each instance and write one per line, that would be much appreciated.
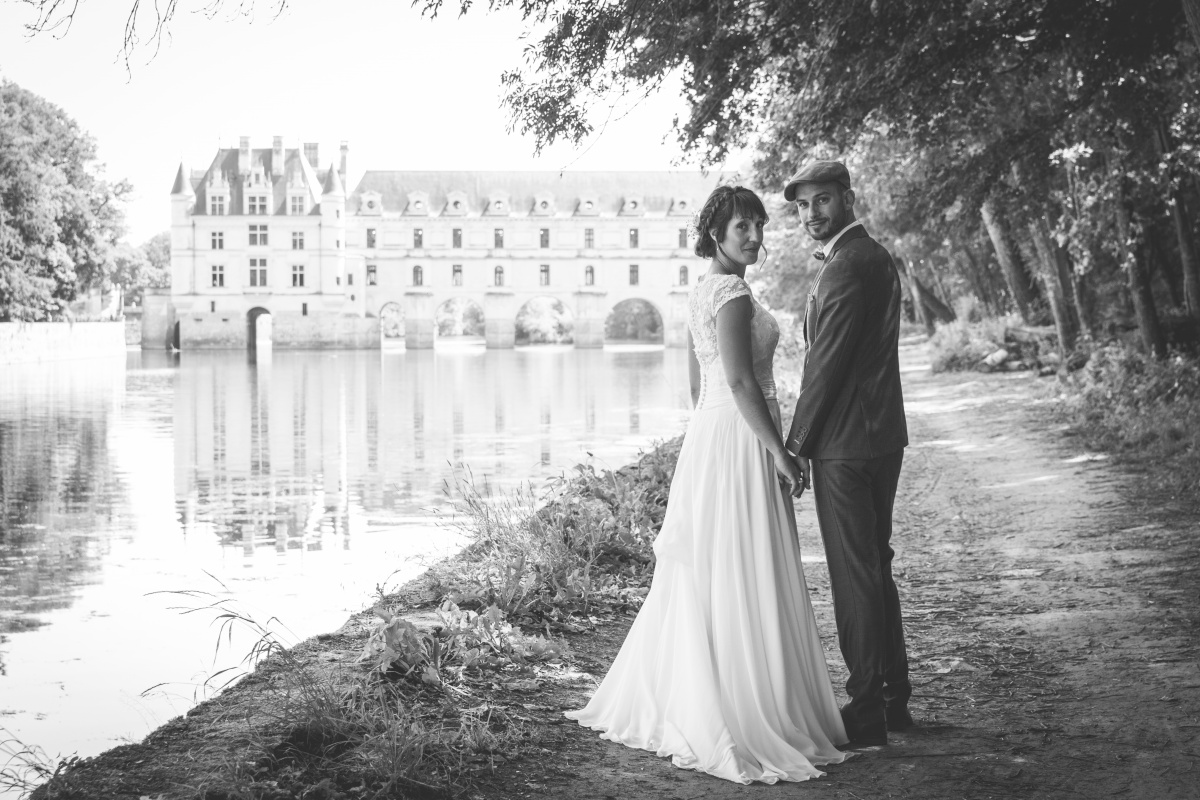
(405, 92)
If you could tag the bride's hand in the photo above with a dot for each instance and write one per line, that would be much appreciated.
(792, 475)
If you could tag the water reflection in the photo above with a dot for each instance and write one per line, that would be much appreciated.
(299, 480)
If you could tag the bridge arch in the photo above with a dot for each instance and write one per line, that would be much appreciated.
(635, 319)
(258, 328)
(544, 319)
(391, 322)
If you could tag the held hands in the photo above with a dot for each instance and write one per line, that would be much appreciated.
(793, 473)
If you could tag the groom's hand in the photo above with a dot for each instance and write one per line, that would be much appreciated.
(805, 470)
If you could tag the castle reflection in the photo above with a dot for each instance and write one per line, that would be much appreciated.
(300, 450)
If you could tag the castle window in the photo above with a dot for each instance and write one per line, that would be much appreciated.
(456, 275)
(370, 237)
(589, 238)
(297, 240)
(498, 276)
(683, 276)
(297, 275)
(218, 275)
(258, 204)
(545, 237)
(589, 275)
(498, 238)
(304, 311)
(216, 205)
(296, 207)
(633, 237)
(258, 234)
(418, 276)
(683, 238)
(258, 272)
(372, 275)
(544, 275)
(633, 274)
(456, 237)
(218, 240)
(418, 238)
(349, 278)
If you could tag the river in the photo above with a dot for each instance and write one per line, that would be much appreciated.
(292, 489)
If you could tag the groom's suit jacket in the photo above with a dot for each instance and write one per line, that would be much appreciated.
(850, 405)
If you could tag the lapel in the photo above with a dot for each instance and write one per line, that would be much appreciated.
(857, 232)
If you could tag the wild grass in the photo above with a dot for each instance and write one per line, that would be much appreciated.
(421, 711)
(1143, 408)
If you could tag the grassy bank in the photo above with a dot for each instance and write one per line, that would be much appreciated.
(423, 695)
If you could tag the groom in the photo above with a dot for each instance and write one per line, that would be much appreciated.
(849, 427)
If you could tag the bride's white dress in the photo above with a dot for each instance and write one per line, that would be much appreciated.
(723, 668)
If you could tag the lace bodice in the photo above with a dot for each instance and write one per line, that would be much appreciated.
(712, 292)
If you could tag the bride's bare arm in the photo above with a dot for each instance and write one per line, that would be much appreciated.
(693, 371)
(733, 343)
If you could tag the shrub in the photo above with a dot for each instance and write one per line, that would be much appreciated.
(962, 345)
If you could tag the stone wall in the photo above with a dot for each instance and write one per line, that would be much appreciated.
(23, 342)
(290, 330)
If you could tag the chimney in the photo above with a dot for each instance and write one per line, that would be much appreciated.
(310, 154)
(277, 157)
(345, 153)
(244, 156)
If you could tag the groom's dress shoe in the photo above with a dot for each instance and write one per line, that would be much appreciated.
(863, 736)
(898, 718)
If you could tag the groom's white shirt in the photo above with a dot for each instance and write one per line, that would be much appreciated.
(827, 248)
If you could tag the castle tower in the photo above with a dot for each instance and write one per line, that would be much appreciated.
(183, 203)
(333, 236)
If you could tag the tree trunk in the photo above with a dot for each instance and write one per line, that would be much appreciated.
(1009, 257)
(1060, 305)
(1175, 199)
(926, 304)
(1138, 281)
(923, 316)
(1191, 9)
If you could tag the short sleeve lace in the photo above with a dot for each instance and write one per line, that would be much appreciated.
(724, 289)
(709, 294)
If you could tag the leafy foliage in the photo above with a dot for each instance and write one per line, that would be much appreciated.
(61, 218)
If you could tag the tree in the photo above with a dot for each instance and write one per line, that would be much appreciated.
(59, 218)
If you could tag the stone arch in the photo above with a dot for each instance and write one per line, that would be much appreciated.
(258, 323)
(391, 322)
(545, 319)
(635, 319)
(459, 317)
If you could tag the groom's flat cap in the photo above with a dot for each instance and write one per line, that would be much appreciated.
(817, 172)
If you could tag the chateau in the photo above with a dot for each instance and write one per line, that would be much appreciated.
(274, 232)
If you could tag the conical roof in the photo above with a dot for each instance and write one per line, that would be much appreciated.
(183, 184)
(333, 184)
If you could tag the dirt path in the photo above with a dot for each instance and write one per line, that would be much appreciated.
(1051, 609)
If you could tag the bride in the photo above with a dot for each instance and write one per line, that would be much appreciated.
(723, 668)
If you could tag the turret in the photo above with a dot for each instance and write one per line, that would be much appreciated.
(183, 198)
(243, 157)
(333, 236)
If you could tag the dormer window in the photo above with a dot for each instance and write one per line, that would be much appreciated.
(498, 205)
(216, 205)
(543, 205)
(418, 204)
(296, 205)
(456, 204)
(589, 206)
(680, 206)
(370, 204)
(257, 204)
(632, 206)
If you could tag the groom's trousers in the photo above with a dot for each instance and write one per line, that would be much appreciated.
(854, 499)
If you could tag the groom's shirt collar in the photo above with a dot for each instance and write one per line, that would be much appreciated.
(827, 248)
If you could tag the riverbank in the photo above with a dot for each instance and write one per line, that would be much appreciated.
(1048, 595)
